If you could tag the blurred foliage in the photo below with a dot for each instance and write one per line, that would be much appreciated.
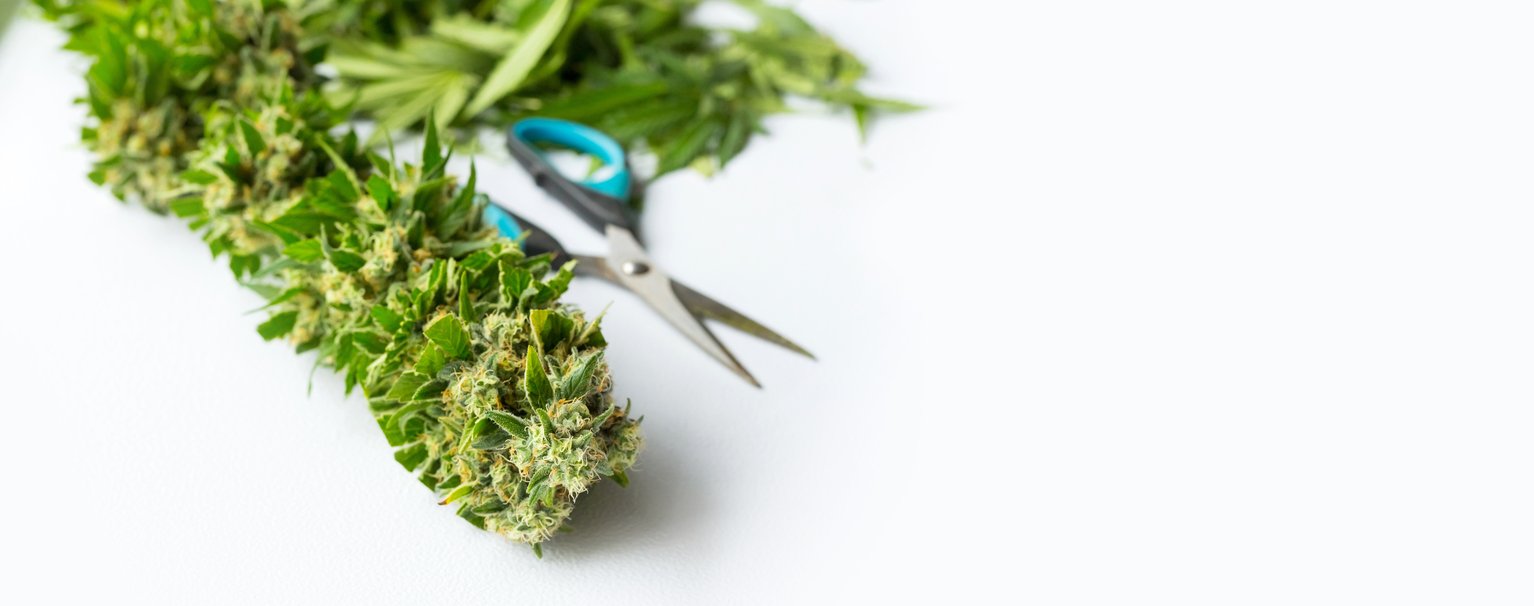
(7, 11)
(641, 70)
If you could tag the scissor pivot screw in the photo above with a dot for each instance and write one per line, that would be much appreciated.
(635, 268)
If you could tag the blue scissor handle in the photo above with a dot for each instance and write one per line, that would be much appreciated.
(601, 203)
(584, 139)
(533, 239)
(503, 221)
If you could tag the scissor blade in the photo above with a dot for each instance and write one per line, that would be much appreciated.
(633, 269)
(596, 267)
(705, 305)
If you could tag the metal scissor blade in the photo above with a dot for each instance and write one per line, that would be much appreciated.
(596, 267)
(710, 308)
(630, 267)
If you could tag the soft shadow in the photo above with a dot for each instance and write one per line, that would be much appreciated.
(666, 502)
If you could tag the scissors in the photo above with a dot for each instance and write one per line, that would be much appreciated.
(602, 203)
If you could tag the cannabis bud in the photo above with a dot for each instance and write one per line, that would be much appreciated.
(494, 393)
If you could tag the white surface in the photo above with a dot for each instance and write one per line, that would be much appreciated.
(1174, 302)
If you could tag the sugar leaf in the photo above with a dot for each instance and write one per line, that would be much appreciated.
(449, 333)
(278, 325)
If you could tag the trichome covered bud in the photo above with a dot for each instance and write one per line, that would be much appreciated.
(494, 393)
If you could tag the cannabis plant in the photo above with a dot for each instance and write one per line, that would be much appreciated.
(494, 393)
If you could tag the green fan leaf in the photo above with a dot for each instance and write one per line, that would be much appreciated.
(544, 25)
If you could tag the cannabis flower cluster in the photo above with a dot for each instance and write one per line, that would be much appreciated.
(494, 393)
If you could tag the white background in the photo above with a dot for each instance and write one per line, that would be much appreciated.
(1161, 303)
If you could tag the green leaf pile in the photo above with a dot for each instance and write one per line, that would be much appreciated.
(641, 70)
(494, 393)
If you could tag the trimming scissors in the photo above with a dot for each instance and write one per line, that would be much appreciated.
(603, 204)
